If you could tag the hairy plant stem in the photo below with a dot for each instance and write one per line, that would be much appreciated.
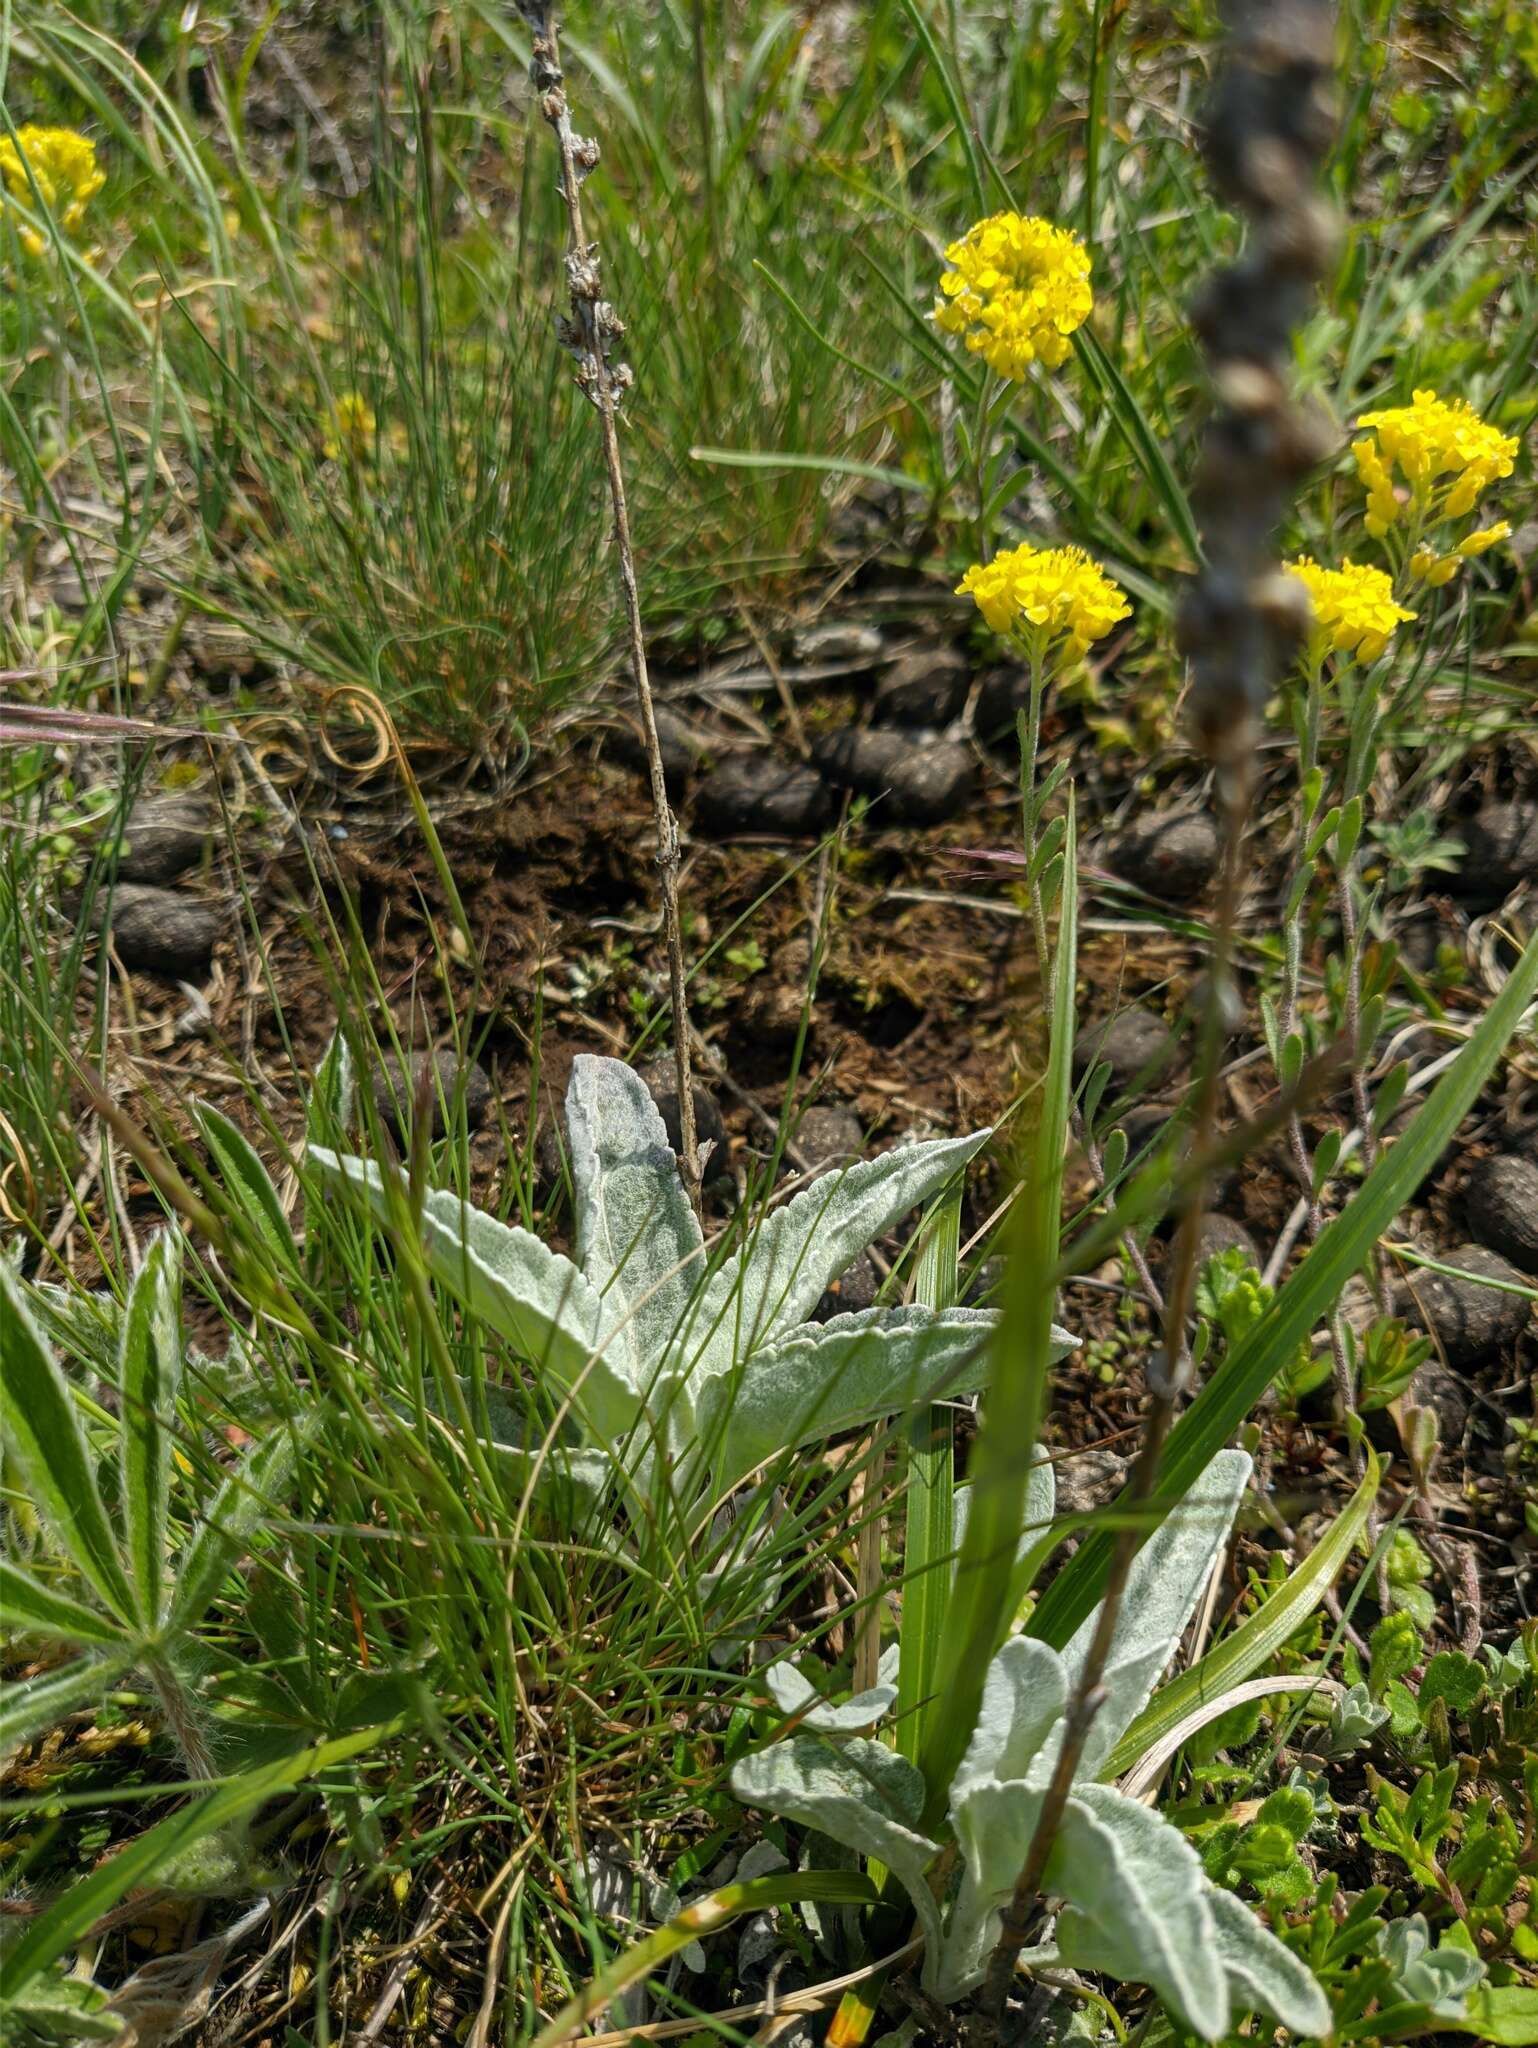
(1167, 1379)
(591, 334)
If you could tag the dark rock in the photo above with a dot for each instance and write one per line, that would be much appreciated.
(1221, 1233)
(1502, 1205)
(679, 744)
(854, 1289)
(1419, 939)
(985, 1289)
(919, 783)
(163, 931)
(847, 646)
(925, 685)
(1135, 1044)
(1435, 1386)
(829, 1134)
(761, 793)
(1089, 1479)
(1502, 851)
(396, 1090)
(161, 840)
(661, 1078)
(1471, 1321)
(1003, 694)
(1174, 857)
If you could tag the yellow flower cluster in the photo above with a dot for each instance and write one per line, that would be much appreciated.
(1427, 441)
(1354, 609)
(1017, 288)
(351, 426)
(63, 166)
(1046, 595)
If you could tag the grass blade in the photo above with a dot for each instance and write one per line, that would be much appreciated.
(245, 1497)
(1141, 438)
(53, 1933)
(704, 1916)
(150, 1367)
(978, 1610)
(41, 1429)
(1342, 1250)
(930, 1540)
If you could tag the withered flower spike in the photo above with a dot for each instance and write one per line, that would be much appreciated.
(1268, 125)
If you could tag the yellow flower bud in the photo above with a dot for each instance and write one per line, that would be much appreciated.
(1484, 537)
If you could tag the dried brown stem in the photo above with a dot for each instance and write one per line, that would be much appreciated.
(590, 333)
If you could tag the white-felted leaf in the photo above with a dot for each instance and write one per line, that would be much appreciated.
(796, 1253)
(529, 1294)
(838, 1375)
(1263, 1973)
(994, 1823)
(1040, 1487)
(1138, 1905)
(1025, 1696)
(794, 1693)
(862, 1794)
(637, 1240)
(1163, 1587)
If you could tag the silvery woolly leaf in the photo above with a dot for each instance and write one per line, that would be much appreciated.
(793, 1693)
(862, 1794)
(1025, 1696)
(994, 1823)
(838, 1375)
(637, 1240)
(1163, 1587)
(1040, 1489)
(1263, 1973)
(1138, 1905)
(796, 1253)
(529, 1294)
(1440, 1977)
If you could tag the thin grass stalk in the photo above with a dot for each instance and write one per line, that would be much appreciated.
(591, 332)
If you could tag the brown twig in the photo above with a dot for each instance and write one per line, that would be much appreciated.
(590, 333)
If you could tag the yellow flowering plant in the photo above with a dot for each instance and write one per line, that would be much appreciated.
(1016, 289)
(1046, 598)
(52, 167)
(1355, 612)
(1054, 603)
(350, 427)
(1442, 456)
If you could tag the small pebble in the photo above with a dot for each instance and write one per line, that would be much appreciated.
(762, 793)
(1435, 1386)
(1501, 843)
(1502, 1205)
(163, 931)
(1471, 1321)
(1002, 695)
(925, 686)
(849, 645)
(1221, 1233)
(918, 783)
(829, 1134)
(395, 1091)
(677, 741)
(661, 1078)
(161, 840)
(1135, 1044)
(1174, 856)
(854, 1289)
